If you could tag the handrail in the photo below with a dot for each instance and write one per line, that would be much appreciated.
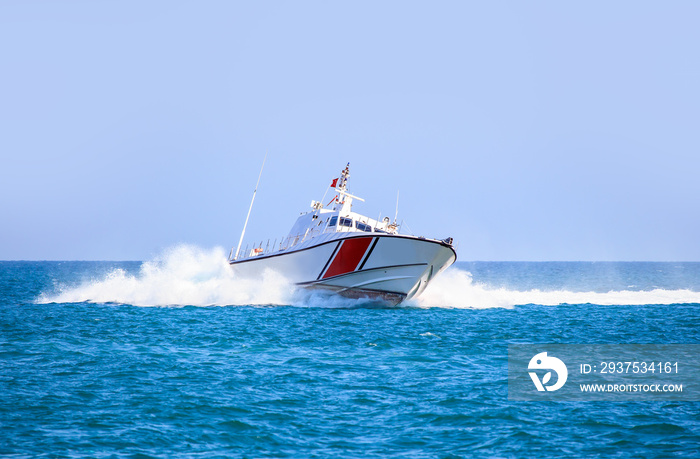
(285, 243)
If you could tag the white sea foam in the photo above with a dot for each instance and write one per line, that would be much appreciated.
(189, 275)
(455, 288)
(183, 275)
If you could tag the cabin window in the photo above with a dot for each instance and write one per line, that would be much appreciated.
(377, 230)
(363, 227)
(346, 222)
(334, 221)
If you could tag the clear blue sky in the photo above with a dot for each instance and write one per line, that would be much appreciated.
(525, 130)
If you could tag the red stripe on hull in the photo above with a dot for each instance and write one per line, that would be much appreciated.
(349, 256)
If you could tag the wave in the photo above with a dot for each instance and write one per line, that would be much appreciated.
(455, 288)
(187, 275)
(182, 275)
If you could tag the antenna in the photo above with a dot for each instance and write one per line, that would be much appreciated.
(397, 206)
(240, 241)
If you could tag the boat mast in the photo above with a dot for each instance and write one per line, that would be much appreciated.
(343, 199)
(240, 241)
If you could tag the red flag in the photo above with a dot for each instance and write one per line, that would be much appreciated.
(335, 181)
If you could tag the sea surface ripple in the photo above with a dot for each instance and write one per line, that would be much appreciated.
(107, 379)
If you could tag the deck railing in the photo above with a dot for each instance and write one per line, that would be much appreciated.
(265, 248)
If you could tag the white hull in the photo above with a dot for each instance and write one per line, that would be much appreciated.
(389, 267)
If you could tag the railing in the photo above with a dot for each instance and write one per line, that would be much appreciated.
(285, 243)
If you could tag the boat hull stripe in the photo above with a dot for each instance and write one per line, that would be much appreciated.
(351, 252)
(369, 252)
(330, 259)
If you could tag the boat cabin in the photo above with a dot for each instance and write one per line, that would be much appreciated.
(337, 215)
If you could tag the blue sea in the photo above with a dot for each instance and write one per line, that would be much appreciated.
(175, 357)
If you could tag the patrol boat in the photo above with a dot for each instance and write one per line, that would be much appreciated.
(338, 250)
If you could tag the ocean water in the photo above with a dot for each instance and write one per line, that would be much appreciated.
(175, 357)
